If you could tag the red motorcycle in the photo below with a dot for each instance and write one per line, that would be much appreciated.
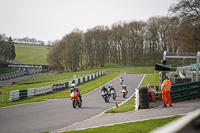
(124, 93)
(75, 99)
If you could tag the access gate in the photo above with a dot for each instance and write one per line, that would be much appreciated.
(3, 96)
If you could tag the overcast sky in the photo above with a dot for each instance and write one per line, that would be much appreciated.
(52, 19)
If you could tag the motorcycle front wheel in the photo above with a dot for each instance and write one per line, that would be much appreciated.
(105, 99)
(74, 104)
(114, 97)
(124, 95)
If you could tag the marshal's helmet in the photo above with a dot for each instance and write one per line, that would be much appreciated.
(165, 77)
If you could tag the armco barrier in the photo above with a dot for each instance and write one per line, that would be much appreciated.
(58, 87)
(76, 81)
(185, 124)
(70, 83)
(14, 95)
(22, 94)
(43, 90)
(31, 92)
(81, 80)
(185, 91)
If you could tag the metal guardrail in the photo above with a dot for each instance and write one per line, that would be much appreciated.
(187, 124)
(23, 94)
(185, 91)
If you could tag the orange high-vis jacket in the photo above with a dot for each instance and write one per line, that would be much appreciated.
(166, 85)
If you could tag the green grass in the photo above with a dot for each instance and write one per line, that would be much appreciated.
(132, 127)
(31, 54)
(128, 106)
(7, 70)
(150, 79)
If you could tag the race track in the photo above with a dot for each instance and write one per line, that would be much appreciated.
(55, 114)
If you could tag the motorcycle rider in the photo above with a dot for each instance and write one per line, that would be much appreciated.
(111, 88)
(104, 89)
(121, 80)
(124, 87)
(74, 88)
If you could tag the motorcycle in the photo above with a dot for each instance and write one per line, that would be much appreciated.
(104, 94)
(113, 95)
(124, 93)
(121, 80)
(75, 99)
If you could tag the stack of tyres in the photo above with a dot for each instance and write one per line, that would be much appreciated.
(143, 98)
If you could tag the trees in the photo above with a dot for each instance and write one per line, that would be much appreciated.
(187, 9)
(188, 12)
(7, 48)
(67, 54)
(133, 42)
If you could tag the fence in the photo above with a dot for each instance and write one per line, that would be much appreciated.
(185, 91)
(22, 94)
(3, 96)
(186, 124)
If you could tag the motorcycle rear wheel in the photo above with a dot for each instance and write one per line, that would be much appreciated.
(80, 104)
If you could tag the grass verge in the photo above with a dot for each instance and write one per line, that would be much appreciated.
(130, 105)
(132, 127)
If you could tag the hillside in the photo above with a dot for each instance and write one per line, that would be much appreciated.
(31, 54)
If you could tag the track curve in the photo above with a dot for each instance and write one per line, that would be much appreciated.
(55, 114)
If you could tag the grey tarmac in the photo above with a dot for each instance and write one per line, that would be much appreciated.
(52, 115)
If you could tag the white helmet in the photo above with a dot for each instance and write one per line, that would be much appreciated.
(73, 85)
(124, 85)
(111, 86)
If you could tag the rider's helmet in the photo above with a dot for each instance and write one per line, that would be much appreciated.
(124, 85)
(73, 85)
(103, 86)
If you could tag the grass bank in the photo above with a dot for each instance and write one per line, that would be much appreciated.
(31, 54)
(132, 127)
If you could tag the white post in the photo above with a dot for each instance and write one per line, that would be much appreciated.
(197, 66)
(155, 81)
(164, 55)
